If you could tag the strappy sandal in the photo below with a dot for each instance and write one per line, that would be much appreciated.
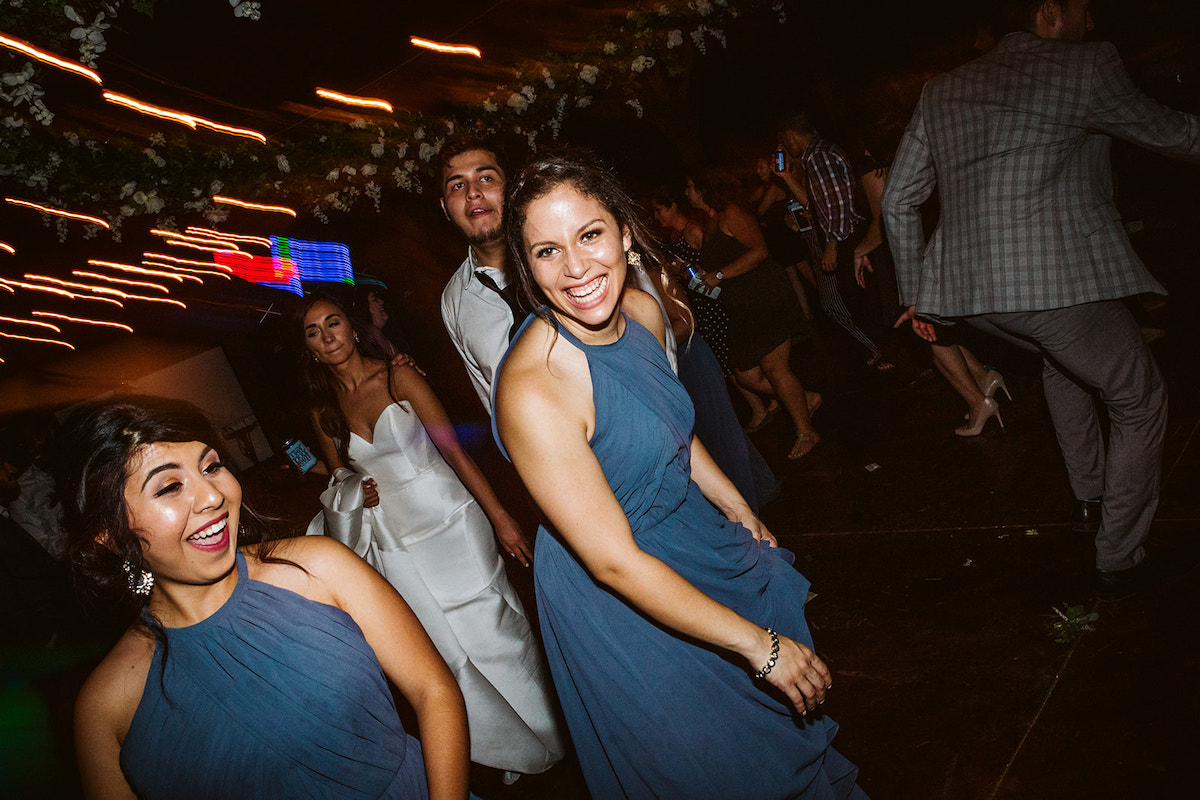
(768, 415)
(805, 442)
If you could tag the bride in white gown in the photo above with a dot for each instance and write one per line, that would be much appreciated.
(431, 515)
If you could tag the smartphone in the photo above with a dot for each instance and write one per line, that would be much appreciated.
(300, 455)
(780, 161)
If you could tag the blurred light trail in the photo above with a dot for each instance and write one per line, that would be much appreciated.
(82, 320)
(216, 198)
(221, 247)
(36, 287)
(84, 274)
(140, 270)
(191, 120)
(72, 285)
(174, 260)
(235, 237)
(6, 335)
(192, 273)
(47, 57)
(58, 212)
(33, 322)
(174, 237)
(354, 100)
(153, 111)
(440, 47)
(13, 250)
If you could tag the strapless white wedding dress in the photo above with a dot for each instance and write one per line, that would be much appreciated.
(433, 542)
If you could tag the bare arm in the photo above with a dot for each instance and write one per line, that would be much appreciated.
(333, 462)
(543, 417)
(98, 714)
(738, 223)
(408, 657)
(408, 384)
(771, 195)
(721, 492)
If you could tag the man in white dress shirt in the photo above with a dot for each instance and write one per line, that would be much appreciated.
(476, 301)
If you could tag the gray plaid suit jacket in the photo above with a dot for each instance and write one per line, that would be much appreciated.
(1017, 144)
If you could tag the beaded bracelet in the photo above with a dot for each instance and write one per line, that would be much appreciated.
(762, 673)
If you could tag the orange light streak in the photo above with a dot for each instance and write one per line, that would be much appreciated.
(84, 274)
(34, 322)
(354, 100)
(216, 198)
(83, 321)
(236, 237)
(206, 248)
(8, 247)
(153, 111)
(68, 345)
(181, 117)
(193, 272)
(174, 237)
(72, 285)
(49, 58)
(141, 270)
(174, 260)
(60, 292)
(57, 212)
(8, 288)
(440, 47)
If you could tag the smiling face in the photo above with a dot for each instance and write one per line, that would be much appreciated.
(473, 196)
(576, 252)
(328, 334)
(183, 506)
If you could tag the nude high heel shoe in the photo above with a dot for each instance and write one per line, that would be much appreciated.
(987, 409)
(992, 382)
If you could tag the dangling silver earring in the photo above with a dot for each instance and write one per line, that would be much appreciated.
(317, 360)
(633, 258)
(140, 581)
(356, 336)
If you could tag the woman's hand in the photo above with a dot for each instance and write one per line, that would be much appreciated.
(710, 279)
(405, 360)
(798, 672)
(513, 540)
(757, 529)
(829, 257)
(370, 493)
(862, 265)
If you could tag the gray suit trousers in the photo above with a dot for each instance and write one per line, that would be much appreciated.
(1095, 351)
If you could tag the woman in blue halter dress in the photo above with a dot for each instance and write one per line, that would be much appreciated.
(660, 593)
(259, 671)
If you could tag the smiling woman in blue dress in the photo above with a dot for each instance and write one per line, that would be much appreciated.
(674, 627)
(253, 670)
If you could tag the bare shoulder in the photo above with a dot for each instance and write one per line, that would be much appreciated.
(111, 694)
(545, 377)
(307, 565)
(643, 308)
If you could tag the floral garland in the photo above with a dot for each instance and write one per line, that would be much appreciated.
(326, 166)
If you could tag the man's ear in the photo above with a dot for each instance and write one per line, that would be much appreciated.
(444, 211)
(1048, 15)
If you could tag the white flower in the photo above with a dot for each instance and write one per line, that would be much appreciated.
(583, 102)
(636, 106)
(402, 178)
(532, 139)
(129, 189)
(518, 101)
(528, 92)
(127, 211)
(157, 139)
(217, 214)
(703, 7)
(281, 161)
(547, 77)
(719, 36)
(610, 48)
(349, 170)
(368, 170)
(490, 107)
(426, 152)
(139, 197)
(251, 11)
(674, 38)
(72, 138)
(215, 187)
(334, 175)
(358, 124)
(375, 192)
(154, 203)
(402, 150)
(663, 11)
(450, 127)
(377, 150)
(698, 38)
(641, 63)
(419, 133)
(589, 73)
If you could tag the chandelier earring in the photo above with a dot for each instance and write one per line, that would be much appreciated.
(633, 258)
(140, 581)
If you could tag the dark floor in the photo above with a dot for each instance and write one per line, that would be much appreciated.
(939, 566)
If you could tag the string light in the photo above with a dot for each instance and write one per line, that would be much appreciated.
(142, 270)
(192, 229)
(353, 100)
(35, 287)
(6, 335)
(84, 274)
(441, 47)
(82, 320)
(58, 212)
(13, 250)
(191, 120)
(34, 322)
(252, 206)
(49, 58)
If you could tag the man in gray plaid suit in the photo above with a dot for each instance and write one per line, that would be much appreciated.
(1029, 246)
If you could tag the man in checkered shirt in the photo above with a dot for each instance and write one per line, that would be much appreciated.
(1029, 246)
